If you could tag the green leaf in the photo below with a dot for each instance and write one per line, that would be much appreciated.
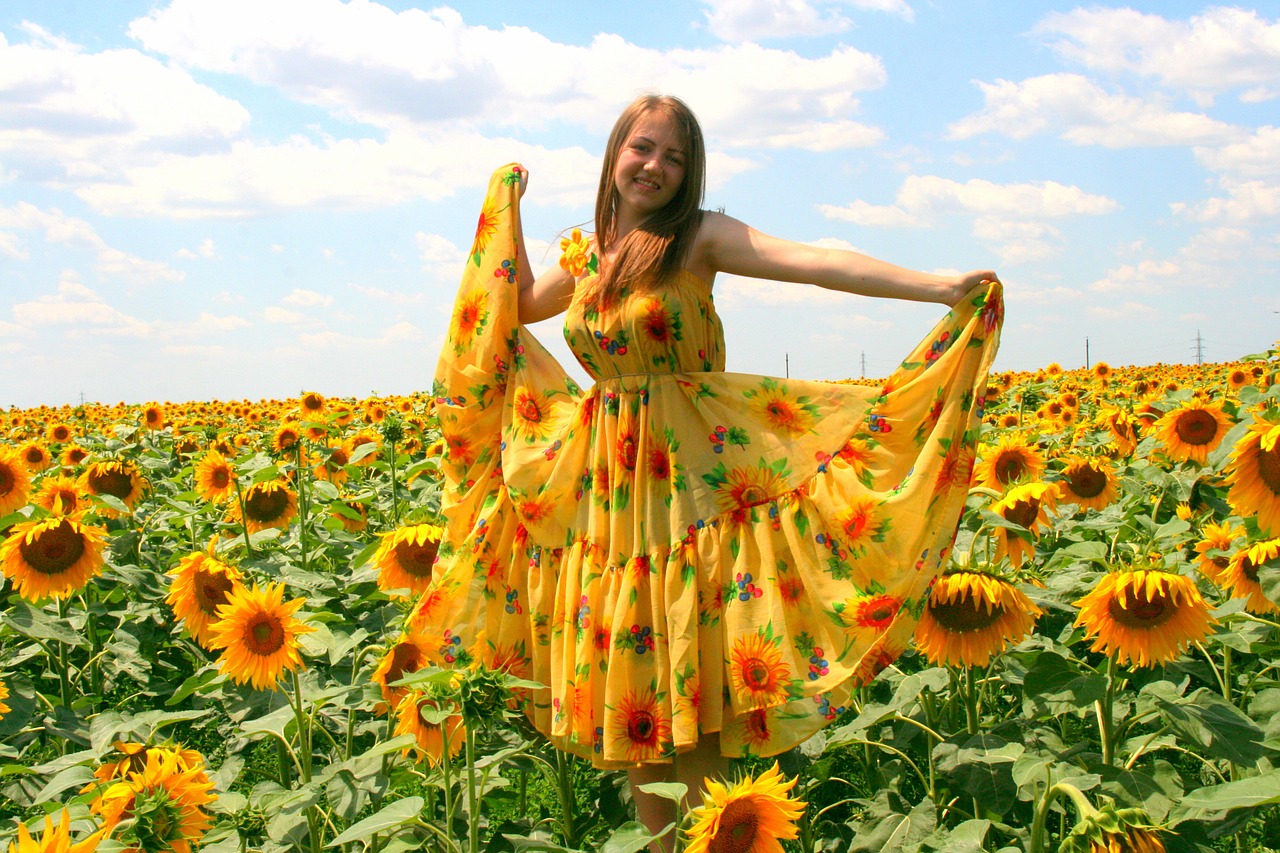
(1207, 719)
(1243, 793)
(673, 791)
(39, 625)
(1055, 685)
(983, 766)
(395, 815)
(196, 683)
(631, 836)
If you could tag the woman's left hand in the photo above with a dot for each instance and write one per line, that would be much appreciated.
(965, 282)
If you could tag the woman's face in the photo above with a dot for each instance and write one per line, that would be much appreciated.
(651, 165)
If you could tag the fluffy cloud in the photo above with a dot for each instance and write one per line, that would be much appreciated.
(923, 196)
(80, 310)
(1220, 50)
(753, 20)
(1082, 112)
(76, 233)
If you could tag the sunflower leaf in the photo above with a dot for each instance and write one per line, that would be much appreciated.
(397, 814)
(1207, 719)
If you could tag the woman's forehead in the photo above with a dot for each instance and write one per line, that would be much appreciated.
(658, 127)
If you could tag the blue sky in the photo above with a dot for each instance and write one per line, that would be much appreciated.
(245, 198)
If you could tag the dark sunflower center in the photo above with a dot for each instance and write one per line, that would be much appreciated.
(1196, 427)
(854, 526)
(962, 615)
(1086, 482)
(641, 727)
(404, 658)
(211, 590)
(265, 506)
(34, 456)
(8, 479)
(530, 412)
(112, 481)
(1024, 512)
(264, 635)
(220, 478)
(60, 433)
(1010, 467)
(880, 612)
(54, 551)
(76, 455)
(1143, 612)
(415, 559)
(287, 439)
(739, 823)
(1269, 468)
(751, 495)
(757, 674)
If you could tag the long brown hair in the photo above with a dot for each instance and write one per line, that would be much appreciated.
(656, 249)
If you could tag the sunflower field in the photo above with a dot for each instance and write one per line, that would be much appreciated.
(207, 643)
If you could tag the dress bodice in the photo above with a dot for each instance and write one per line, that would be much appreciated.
(670, 329)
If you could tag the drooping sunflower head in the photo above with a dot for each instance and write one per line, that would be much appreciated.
(1216, 537)
(749, 817)
(258, 634)
(1114, 830)
(437, 730)
(201, 584)
(1253, 473)
(1122, 427)
(409, 654)
(160, 807)
(53, 556)
(1146, 616)
(15, 481)
(1193, 430)
(115, 477)
(406, 557)
(1027, 506)
(971, 617)
(1240, 576)
(1089, 482)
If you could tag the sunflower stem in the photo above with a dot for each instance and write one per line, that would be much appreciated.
(971, 700)
(1105, 708)
(304, 728)
(395, 497)
(244, 520)
(565, 786)
(1082, 804)
(304, 507)
(95, 644)
(64, 675)
(473, 803)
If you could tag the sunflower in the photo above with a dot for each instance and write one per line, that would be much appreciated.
(360, 439)
(760, 676)
(115, 477)
(532, 416)
(409, 654)
(1193, 430)
(1216, 537)
(406, 556)
(743, 487)
(1013, 460)
(34, 456)
(1238, 378)
(159, 807)
(469, 317)
(353, 515)
(153, 417)
(861, 522)
(1240, 576)
(1027, 506)
(486, 228)
(270, 503)
(1146, 616)
(56, 839)
(201, 584)
(431, 737)
(215, 478)
(334, 459)
(311, 405)
(784, 413)
(59, 433)
(1253, 474)
(4, 706)
(972, 616)
(53, 556)
(749, 817)
(1089, 482)
(258, 635)
(133, 758)
(870, 611)
(286, 437)
(1122, 426)
(73, 455)
(15, 481)
(1112, 830)
(640, 725)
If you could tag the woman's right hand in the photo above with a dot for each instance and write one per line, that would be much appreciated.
(965, 282)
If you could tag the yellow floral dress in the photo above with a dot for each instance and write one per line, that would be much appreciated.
(679, 552)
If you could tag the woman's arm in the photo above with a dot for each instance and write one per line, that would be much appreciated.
(726, 245)
(544, 296)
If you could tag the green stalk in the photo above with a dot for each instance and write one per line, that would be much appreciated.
(244, 519)
(395, 498)
(565, 790)
(971, 700)
(473, 803)
(303, 505)
(1082, 804)
(1105, 708)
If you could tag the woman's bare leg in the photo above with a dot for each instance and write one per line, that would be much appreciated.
(690, 768)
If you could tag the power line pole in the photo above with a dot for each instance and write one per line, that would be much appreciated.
(786, 364)
(1086, 352)
(864, 364)
(1199, 348)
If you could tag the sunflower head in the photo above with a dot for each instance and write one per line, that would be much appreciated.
(258, 634)
(1193, 430)
(1146, 616)
(116, 478)
(406, 557)
(53, 556)
(747, 817)
(15, 481)
(1114, 829)
(972, 616)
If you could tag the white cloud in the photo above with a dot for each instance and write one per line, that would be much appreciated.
(307, 298)
(1019, 241)
(79, 308)
(1213, 52)
(1145, 277)
(276, 314)
(1083, 113)
(394, 335)
(394, 297)
(76, 233)
(1258, 156)
(735, 293)
(205, 250)
(1245, 201)
(751, 20)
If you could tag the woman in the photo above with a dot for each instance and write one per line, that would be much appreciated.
(695, 563)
